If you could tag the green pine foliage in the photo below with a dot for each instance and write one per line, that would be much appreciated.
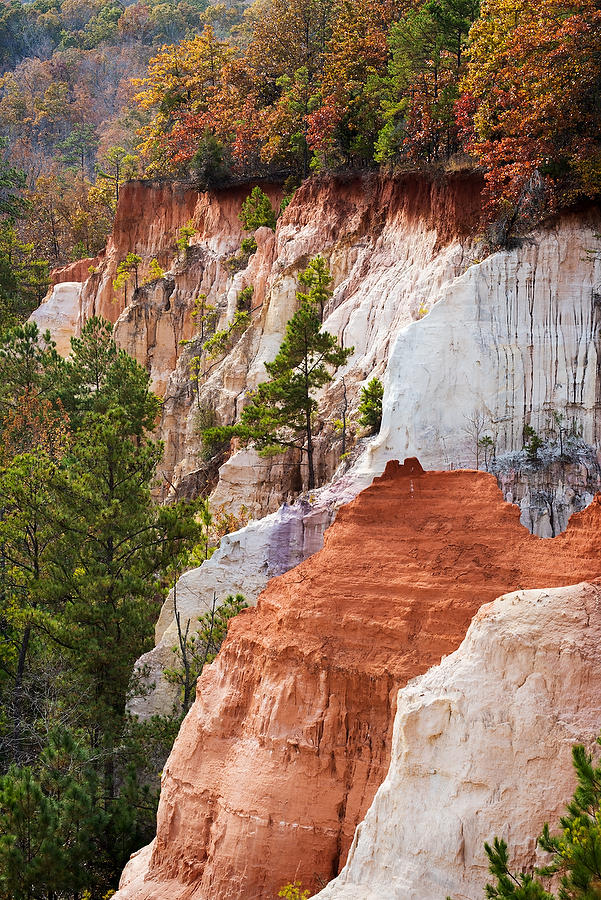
(281, 413)
(316, 281)
(518, 887)
(370, 405)
(257, 211)
(23, 277)
(575, 850)
(532, 443)
(84, 559)
(221, 342)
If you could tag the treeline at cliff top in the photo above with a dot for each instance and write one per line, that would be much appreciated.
(514, 86)
(97, 93)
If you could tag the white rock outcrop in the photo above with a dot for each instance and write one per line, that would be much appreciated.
(482, 747)
(58, 314)
(513, 339)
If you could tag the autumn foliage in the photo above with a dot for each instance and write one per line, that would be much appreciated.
(189, 90)
(514, 86)
(532, 95)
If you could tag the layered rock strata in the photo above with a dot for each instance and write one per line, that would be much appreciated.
(482, 747)
(290, 734)
(514, 339)
(391, 245)
(242, 564)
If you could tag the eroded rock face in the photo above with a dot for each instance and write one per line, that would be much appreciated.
(390, 244)
(482, 747)
(549, 494)
(515, 338)
(290, 734)
(243, 563)
(59, 314)
(78, 271)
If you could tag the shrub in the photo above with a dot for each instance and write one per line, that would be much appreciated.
(209, 164)
(532, 443)
(257, 211)
(194, 651)
(248, 246)
(245, 297)
(215, 440)
(370, 407)
(239, 260)
(221, 341)
(293, 891)
(183, 237)
(154, 272)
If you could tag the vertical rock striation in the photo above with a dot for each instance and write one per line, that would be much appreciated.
(482, 747)
(290, 734)
(514, 338)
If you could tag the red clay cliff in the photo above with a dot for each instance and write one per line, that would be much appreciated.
(290, 734)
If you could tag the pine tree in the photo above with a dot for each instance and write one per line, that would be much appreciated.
(52, 820)
(282, 410)
(114, 539)
(316, 280)
(517, 887)
(257, 211)
(370, 407)
(576, 850)
(28, 363)
(28, 538)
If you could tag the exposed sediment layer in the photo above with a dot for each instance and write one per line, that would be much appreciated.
(290, 734)
(482, 748)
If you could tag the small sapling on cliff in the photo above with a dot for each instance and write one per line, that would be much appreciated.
(257, 211)
(370, 406)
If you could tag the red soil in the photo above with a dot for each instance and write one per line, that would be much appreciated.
(289, 737)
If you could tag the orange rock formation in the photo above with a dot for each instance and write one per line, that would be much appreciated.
(290, 734)
(78, 271)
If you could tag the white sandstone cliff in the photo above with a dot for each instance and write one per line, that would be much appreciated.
(482, 747)
(514, 338)
(59, 313)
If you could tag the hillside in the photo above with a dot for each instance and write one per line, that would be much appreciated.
(300, 449)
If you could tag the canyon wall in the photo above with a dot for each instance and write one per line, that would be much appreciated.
(482, 747)
(391, 245)
(290, 735)
(510, 339)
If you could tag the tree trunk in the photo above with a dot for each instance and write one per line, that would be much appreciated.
(17, 700)
(310, 449)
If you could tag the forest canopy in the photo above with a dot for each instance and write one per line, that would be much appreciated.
(92, 94)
